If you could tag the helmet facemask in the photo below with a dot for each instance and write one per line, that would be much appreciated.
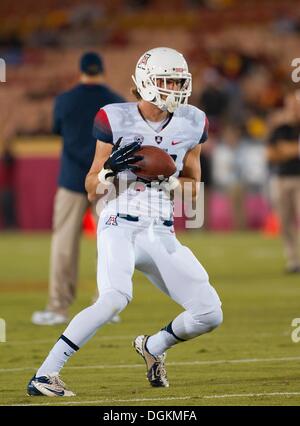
(170, 99)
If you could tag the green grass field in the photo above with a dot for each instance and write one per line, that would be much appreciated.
(249, 360)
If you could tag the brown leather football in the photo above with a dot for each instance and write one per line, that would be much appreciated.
(156, 163)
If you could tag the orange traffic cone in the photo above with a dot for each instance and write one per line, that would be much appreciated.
(89, 225)
(272, 225)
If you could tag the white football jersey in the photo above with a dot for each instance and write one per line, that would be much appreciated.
(186, 128)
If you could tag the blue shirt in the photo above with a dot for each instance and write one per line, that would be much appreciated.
(74, 114)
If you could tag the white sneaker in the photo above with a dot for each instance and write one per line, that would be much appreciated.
(49, 385)
(48, 318)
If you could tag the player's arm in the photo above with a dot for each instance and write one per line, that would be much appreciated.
(110, 158)
(273, 155)
(102, 132)
(102, 153)
(190, 175)
(283, 151)
(288, 149)
(108, 162)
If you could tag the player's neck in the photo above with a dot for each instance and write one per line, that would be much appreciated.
(151, 112)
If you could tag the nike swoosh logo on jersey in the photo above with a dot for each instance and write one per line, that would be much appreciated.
(176, 142)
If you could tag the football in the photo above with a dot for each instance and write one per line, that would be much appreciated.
(156, 163)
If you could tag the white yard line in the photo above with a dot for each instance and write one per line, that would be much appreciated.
(37, 342)
(99, 339)
(173, 398)
(171, 364)
(251, 395)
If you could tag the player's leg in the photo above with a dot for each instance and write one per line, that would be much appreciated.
(156, 372)
(286, 209)
(115, 269)
(176, 271)
(296, 198)
(69, 209)
(187, 283)
(96, 212)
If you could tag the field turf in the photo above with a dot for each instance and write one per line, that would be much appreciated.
(250, 360)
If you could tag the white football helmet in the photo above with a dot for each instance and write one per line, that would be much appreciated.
(163, 63)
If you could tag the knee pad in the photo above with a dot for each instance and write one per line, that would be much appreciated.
(210, 320)
(113, 300)
(189, 325)
(85, 324)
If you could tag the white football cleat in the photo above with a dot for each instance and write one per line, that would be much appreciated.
(50, 385)
(156, 371)
(48, 318)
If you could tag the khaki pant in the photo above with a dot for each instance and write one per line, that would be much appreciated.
(237, 199)
(69, 210)
(288, 203)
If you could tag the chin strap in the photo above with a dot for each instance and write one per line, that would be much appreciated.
(168, 105)
(171, 104)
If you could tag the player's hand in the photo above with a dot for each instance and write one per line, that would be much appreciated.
(123, 158)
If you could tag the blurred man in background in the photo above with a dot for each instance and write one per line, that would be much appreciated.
(74, 114)
(226, 172)
(7, 189)
(284, 155)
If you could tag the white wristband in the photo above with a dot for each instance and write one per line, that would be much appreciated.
(170, 184)
(173, 182)
(102, 177)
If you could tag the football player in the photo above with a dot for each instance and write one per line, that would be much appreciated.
(135, 228)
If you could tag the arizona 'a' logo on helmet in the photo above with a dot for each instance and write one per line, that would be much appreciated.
(143, 61)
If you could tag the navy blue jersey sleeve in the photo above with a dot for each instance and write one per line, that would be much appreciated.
(57, 116)
(102, 130)
(204, 136)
